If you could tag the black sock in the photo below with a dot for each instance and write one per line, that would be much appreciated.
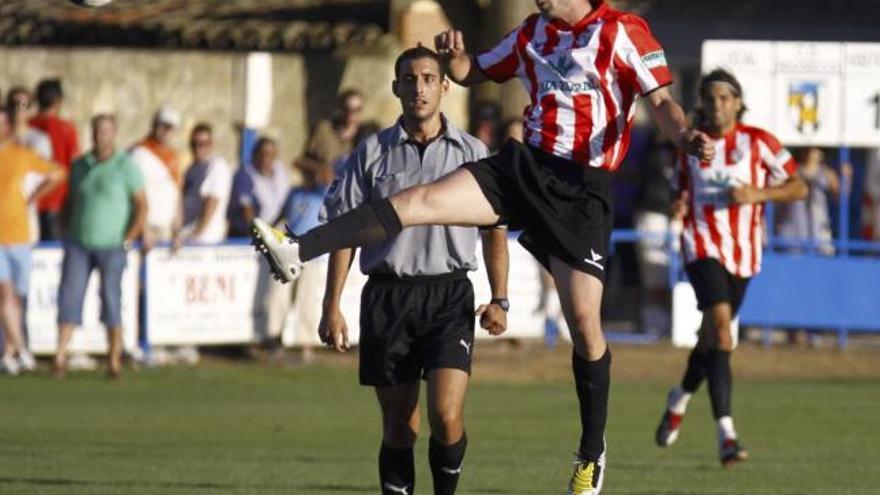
(720, 381)
(592, 380)
(370, 223)
(696, 371)
(397, 470)
(446, 463)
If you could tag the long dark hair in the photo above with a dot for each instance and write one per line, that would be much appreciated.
(720, 75)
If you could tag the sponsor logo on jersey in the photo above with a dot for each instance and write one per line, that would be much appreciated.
(563, 65)
(654, 59)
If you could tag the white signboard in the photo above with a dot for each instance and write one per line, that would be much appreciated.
(686, 318)
(209, 295)
(754, 65)
(201, 295)
(862, 97)
(807, 93)
(42, 310)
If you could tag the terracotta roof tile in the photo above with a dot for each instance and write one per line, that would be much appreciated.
(274, 25)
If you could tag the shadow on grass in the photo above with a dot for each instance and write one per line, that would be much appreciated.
(67, 482)
(197, 485)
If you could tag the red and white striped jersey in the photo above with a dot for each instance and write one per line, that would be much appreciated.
(583, 81)
(715, 227)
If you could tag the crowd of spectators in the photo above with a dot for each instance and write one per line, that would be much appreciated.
(111, 197)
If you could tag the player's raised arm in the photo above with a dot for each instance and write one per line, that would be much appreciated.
(460, 65)
(671, 120)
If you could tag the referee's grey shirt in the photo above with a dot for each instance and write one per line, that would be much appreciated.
(388, 162)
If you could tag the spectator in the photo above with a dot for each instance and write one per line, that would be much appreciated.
(159, 166)
(65, 148)
(258, 189)
(485, 124)
(653, 201)
(206, 188)
(871, 197)
(300, 212)
(105, 212)
(18, 100)
(808, 219)
(511, 129)
(16, 162)
(335, 138)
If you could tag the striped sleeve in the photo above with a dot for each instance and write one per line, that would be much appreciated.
(641, 52)
(777, 160)
(502, 62)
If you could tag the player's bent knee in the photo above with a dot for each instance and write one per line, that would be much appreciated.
(400, 436)
(447, 426)
(589, 326)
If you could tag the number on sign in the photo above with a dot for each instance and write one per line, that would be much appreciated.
(876, 101)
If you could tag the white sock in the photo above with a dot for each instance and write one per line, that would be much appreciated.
(677, 402)
(725, 429)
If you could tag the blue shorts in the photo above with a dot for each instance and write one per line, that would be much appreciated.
(75, 272)
(15, 266)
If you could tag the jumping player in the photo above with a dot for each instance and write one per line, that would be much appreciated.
(722, 204)
(584, 65)
(417, 310)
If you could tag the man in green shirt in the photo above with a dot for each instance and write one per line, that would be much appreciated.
(105, 211)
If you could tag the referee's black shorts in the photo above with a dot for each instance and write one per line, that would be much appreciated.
(562, 207)
(412, 326)
(713, 284)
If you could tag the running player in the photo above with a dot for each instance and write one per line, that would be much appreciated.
(722, 204)
(584, 65)
(417, 309)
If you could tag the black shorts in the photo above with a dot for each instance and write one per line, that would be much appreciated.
(562, 207)
(713, 284)
(412, 326)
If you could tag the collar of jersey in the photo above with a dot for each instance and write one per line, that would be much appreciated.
(448, 131)
(599, 10)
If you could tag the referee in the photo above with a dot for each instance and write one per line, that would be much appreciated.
(584, 65)
(417, 309)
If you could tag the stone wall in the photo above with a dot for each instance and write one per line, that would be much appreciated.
(205, 86)
(132, 84)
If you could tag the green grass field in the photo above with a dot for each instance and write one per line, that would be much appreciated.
(241, 428)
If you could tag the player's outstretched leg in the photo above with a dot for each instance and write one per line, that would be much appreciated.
(455, 199)
(580, 295)
(678, 398)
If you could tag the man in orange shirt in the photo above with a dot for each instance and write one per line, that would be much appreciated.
(16, 162)
(64, 149)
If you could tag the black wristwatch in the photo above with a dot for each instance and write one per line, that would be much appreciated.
(501, 302)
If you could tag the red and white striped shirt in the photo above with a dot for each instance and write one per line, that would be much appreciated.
(583, 81)
(715, 227)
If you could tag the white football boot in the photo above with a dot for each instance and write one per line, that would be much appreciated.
(279, 249)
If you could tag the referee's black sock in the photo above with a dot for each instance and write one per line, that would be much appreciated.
(371, 223)
(397, 470)
(720, 381)
(592, 380)
(696, 371)
(446, 461)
